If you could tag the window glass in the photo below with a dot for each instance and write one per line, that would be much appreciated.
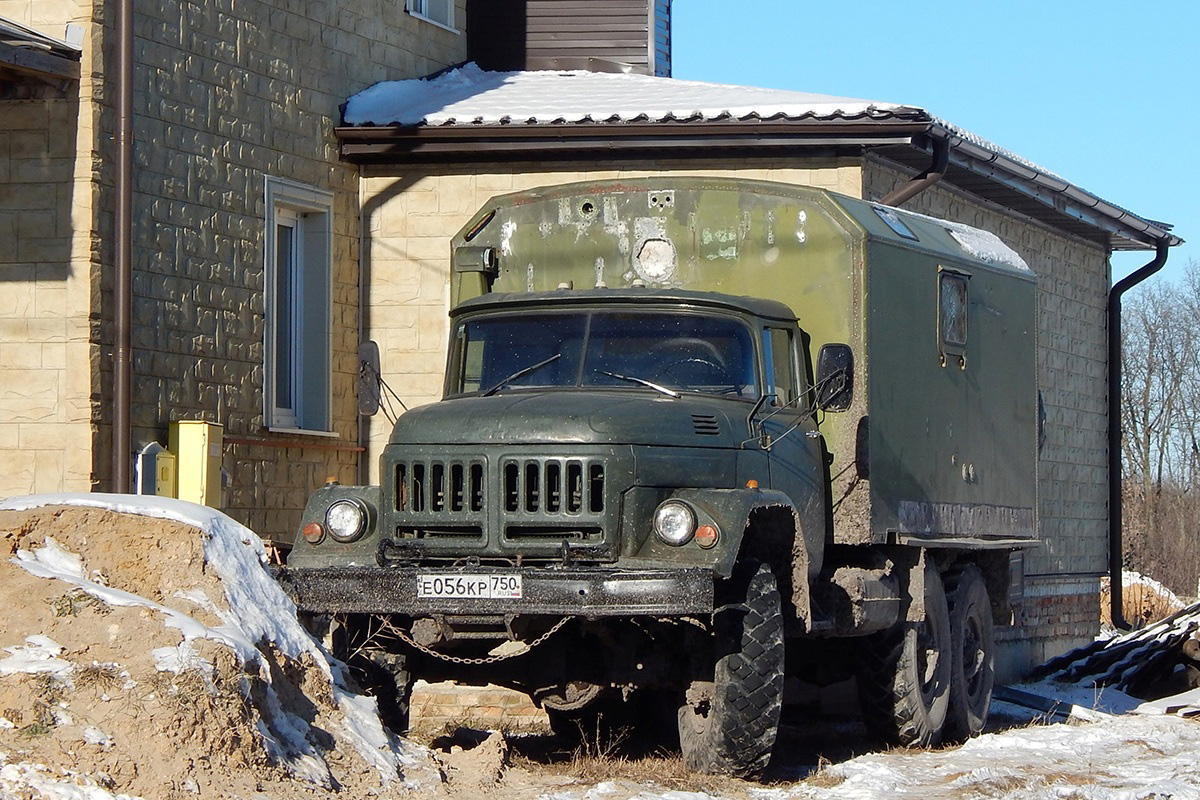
(952, 299)
(782, 365)
(676, 351)
(285, 317)
(439, 11)
(297, 353)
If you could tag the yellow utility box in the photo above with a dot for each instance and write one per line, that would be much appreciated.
(197, 447)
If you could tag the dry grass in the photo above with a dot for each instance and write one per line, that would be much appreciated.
(1140, 605)
(76, 600)
(822, 777)
(101, 677)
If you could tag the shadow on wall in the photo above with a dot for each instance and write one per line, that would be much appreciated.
(37, 170)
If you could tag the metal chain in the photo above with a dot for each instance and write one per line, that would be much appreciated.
(474, 661)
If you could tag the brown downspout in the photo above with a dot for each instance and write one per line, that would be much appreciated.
(937, 168)
(1115, 502)
(122, 448)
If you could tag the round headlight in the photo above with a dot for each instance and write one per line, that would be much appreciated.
(346, 520)
(674, 523)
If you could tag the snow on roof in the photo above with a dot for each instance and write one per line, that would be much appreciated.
(469, 95)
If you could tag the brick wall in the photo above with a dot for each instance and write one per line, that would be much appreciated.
(409, 222)
(229, 93)
(1057, 614)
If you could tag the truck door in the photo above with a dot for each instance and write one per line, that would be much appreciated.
(795, 453)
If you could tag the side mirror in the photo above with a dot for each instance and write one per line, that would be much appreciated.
(835, 377)
(368, 379)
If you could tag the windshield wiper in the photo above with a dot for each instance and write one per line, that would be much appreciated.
(642, 381)
(521, 373)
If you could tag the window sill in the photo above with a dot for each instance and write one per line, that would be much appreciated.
(434, 23)
(305, 432)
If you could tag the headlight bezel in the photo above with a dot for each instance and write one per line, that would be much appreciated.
(675, 522)
(338, 532)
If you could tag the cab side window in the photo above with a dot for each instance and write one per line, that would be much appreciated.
(782, 378)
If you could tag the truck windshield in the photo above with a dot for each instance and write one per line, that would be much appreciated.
(653, 350)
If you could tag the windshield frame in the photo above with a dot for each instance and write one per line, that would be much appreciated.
(587, 314)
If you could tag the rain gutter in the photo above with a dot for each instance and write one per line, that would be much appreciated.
(1115, 502)
(123, 280)
(937, 169)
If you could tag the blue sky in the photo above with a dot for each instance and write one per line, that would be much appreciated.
(1105, 94)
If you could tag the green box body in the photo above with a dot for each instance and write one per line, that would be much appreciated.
(941, 439)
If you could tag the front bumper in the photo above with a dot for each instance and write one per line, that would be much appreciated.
(585, 592)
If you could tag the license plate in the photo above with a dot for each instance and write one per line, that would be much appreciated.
(470, 587)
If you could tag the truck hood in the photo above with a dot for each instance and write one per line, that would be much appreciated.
(576, 417)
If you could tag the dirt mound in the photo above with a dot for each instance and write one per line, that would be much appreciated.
(129, 664)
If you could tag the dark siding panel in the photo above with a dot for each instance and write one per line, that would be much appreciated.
(523, 34)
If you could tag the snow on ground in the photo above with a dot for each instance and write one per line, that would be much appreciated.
(1119, 755)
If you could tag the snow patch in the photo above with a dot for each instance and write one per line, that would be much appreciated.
(470, 95)
(18, 780)
(37, 656)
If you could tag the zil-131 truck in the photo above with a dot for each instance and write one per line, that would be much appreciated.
(700, 436)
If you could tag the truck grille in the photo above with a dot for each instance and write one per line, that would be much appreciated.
(533, 503)
(553, 486)
(437, 486)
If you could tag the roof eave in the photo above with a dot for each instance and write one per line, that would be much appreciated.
(1128, 231)
(477, 142)
(469, 144)
(37, 63)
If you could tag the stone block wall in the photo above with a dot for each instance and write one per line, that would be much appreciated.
(226, 94)
(48, 275)
(408, 223)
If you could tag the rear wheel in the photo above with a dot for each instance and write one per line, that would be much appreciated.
(905, 673)
(728, 725)
(973, 652)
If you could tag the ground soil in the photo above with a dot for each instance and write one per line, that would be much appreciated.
(119, 723)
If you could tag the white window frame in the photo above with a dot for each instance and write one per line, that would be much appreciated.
(421, 9)
(308, 213)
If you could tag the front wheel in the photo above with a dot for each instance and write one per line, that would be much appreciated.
(728, 726)
(905, 673)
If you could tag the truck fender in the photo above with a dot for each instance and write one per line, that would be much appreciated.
(778, 537)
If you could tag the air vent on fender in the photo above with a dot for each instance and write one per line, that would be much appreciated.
(705, 425)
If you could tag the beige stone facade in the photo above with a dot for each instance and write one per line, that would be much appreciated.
(409, 221)
(227, 95)
(49, 259)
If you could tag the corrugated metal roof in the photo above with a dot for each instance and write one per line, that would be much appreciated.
(470, 96)
(494, 107)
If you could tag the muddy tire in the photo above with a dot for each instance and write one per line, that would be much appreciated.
(905, 674)
(728, 726)
(973, 652)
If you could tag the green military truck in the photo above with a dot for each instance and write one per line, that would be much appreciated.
(699, 436)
